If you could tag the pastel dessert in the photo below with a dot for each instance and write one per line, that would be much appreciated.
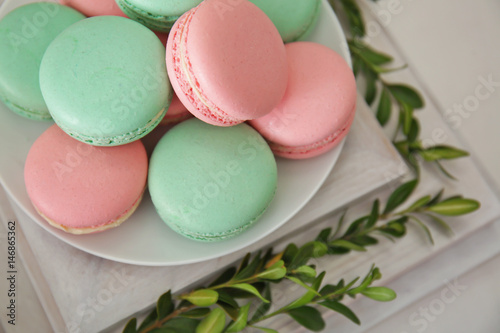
(159, 15)
(319, 105)
(295, 19)
(105, 82)
(176, 113)
(25, 34)
(211, 183)
(95, 7)
(84, 189)
(227, 62)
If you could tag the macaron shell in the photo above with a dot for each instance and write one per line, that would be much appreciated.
(105, 82)
(81, 186)
(176, 113)
(295, 19)
(25, 34)
(95, 7)
(234, 59)
(320, 99)
(210, 183)
(158, 15)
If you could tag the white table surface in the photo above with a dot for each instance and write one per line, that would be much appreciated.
(448, 45)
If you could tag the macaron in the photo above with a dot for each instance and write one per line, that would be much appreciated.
(210, 183)
(95, 7)
(159, 15)
(227, 62)
(81, 188)
(176, 113)
(319, 105)
(25, 34)
(105, 82)
(295, 19)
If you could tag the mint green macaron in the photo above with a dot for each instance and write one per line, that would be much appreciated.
(210, 183)
(105, 81)
(159, 15)
(25, 34)
(295, 19)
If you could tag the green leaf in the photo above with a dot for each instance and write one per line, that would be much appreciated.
(131, 326)
(381, 294)
(275, 272)
(303, 255)
(149, 320)
(424, 227)
(407, 118)
(196, 313)
(241, 322)
(244, 263)
(306, 270)
(308, 317)
(180, 325)
(374, 215)
(340, 223)
(442, 153)
(364, 240)
(400, 195)
(455, 207)
(395, 228)
(369, 54)
(224, 277)
(414, 130)
(371, 86)
(347, 245)
(372, 275)
(384, 108)
(226, 298)
(165, 305)
(444, 171)
(290, 252)
(250, 270)
(303, 285)
(355, 17)
(441, 223)
(213, 323)
(357, 226)
(229, 310)
(342, 309)
(419, 203)
(324, 235)
(203, 297)
(312, 292)
(249, 288)
(263, 307)
(266, 330)
(406, 95)
(436, 198)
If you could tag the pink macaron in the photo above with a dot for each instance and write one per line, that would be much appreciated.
(95, 7)
(319, 105)
(176, 113)
(227, 62)
(83, 189)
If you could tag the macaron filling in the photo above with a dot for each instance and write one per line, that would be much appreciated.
(115, 140)
(307, 149)
(187, 80)
(157, 22)
(98, 227)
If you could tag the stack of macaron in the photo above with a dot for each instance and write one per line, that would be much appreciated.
(107, 81)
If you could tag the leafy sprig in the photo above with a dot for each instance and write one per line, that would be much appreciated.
(241, 296)
(372, 64)
(217, 307)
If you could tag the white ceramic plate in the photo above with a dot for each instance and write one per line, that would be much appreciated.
(145, 239)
